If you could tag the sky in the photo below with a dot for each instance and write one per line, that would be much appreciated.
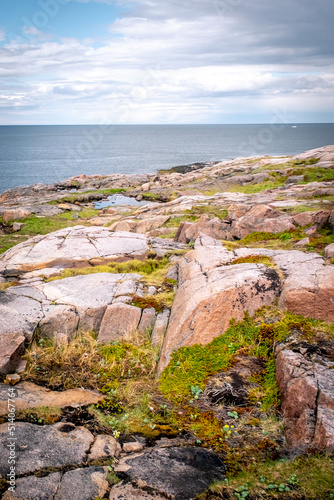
(166, 61)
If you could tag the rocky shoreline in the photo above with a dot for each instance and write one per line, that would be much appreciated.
(156, 349)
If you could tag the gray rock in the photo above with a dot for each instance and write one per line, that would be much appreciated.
(104, 446)
(19, 314)
(172, 273)
(160, 328)
(39, 447)
(34, 488)
(147, 320)
(329, 251)
(59, 320)
(294, 179)
(178, 473)
(69, 246)
(17, 226)
(83, 484)
(11, 350)
(119, 321)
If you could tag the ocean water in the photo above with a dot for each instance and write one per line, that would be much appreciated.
(47, 154)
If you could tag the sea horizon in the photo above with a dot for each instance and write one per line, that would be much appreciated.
(31, 154)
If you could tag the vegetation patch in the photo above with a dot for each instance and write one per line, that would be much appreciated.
(255, 259)
(73, 197)
(211, 209)
(256, 188)
(303, 478)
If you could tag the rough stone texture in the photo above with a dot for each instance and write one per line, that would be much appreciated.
(178, 473)
(147, 320)
(104, 446)
(83, 484)
(329, 251)
(214, 228)
(306, 383)
(19, 314)
(11, 349)
(17, 213)
(41, 447)
(59, 320)
(309, 286)
(29, 395)
(160, 328)
(209, 297)
(133, 446)
(12, 379)
(35, 488)
(119, 321)
(71, 246)
(126, 491)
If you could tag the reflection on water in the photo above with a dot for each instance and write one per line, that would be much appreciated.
(119, 199)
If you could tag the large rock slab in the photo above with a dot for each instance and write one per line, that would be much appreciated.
(126, 491)
(177, 473)
(209, 297)
(306, 383)
(70, 246)
(39, 447)
(29, 395)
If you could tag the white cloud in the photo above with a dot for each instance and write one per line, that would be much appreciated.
(177, 62)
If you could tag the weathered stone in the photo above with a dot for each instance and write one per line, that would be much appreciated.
(83, 484)
(59, 320)
(71, 246)
(303, 242)
(132, 447)
(294, 179)
(29, 395)
(178, 473)
(119, 321)
(40, 447)
(104, 446)
(204, 240)
(19, 314)
(329, 251)
(12, 379)
(17, 226)
(209, 298)
(307, 393)
(15, 213)
(11, 350)
(126, 491)
(147, 320)
(189, 231)
(160, 327)
(34, 488)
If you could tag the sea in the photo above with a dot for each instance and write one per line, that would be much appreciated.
(52, 153)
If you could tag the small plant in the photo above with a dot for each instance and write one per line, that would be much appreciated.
(242, 491)
(196, 391)
(233, 414)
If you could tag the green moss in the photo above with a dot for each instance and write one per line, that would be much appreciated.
(210, 209)
(255, 259)
(191, 366)
(303, 478)
(88, 213)
(73, 197)
(176, 221)
(256, 188)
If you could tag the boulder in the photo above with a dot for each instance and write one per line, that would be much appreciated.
(329, 251)
(72, 246)
(59, 320)
(209, 297)
(15, 213)
(177, 473)
(214, 228)
(119, 322)
(29, 395)
(104, 446)
(83, 484)
(306, 383)
(17, 226)
(11, 350)
(39, 447)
